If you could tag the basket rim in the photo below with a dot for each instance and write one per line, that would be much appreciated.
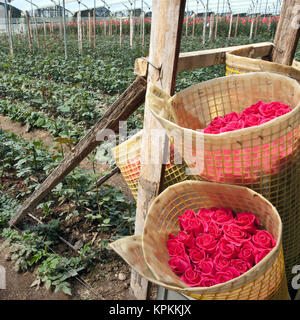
(221, 287)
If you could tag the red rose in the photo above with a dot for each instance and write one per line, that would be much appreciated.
(224, 276)
(179, 264)
(264, 120)
(254, 109)
(194, 225)
(247, 252)
(221, 263)
(266, 110)
(185, 238)
(187, 215)
(215, 230)
(207, 281)
(247, 221)
(222, 216)
(196, 255)
(217, 123)
(260, 254)
(205, 214)
(175, 248)
(235, 234)
(240, 265)
(205, 266)
(227, 249)
(232, 116)
(252, 120)
(234, 125)
(207, 242)
(263, 239)
(191, 277)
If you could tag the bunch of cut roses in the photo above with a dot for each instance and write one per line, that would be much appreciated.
(255, 115)
(215, 245)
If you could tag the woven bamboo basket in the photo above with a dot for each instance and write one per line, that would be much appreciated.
(128, 159)
(264, 158)
(148, 254)
(241, 61)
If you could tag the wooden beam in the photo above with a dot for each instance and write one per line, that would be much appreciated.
(164, 52)
(287, 33)
(120, 110)
(205, 58)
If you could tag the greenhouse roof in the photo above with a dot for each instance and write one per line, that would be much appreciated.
(196, 6)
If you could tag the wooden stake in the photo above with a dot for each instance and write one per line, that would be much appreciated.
(143, 36)
(11, 48)
(79, 32)
(104, 26)
(251, 28)
(236, 26)
(121, 32)
(131, 29)
(230, 26)
(120, 110)
(94, 26)
(211, 26)
(256, 25)
(28, 31)
(90, 29)
(36, 32)
(287, 33)
(45, 29)
(163, 55)
(186, 24)
(216, 27)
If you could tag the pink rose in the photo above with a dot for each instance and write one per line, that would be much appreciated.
(224, 276)
(263, 239)
(232, 116)
(221, 263)
(247, 252)
(254, 109)
(175, 248)
(240, 265)
(205, 214)
(264, 120)
(187, 215)
(205, 266)
(266, 110)
(222, 216)
(234, 125)
(260, 254)
(207, 281)
(235, 234)
(194, 225)
(179, 264)
(227, 249)
(215, 230)
(252, 120)
(185, 238)
(191, 277)
(207, 242)
(247, 221)
(196, 255)
(217, 123)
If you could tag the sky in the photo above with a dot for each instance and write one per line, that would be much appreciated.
(237, 6)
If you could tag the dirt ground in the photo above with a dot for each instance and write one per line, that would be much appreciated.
(109, 281)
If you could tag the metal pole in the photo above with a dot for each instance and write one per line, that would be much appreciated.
(65, 33)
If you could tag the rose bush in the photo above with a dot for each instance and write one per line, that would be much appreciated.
(216, 245)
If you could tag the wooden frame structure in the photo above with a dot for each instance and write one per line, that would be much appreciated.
(160, 68)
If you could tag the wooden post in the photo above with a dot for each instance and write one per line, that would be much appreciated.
(11, 48)
(287, 33)
(110, 26)
(236, 26)
(104, 25)
(230, 26)
(143, 36)
(79, 32)
(94, 26)
(36, 32)
(120, 110)
(211, 26)
(194, 21)
(45, 29)
(251, 28)
(186, 23)
(131, 29)
(204, 27)
(216, 27)
(121, 32)
(164, 52)
(90, 29)
(256, 25)
(28, 31)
